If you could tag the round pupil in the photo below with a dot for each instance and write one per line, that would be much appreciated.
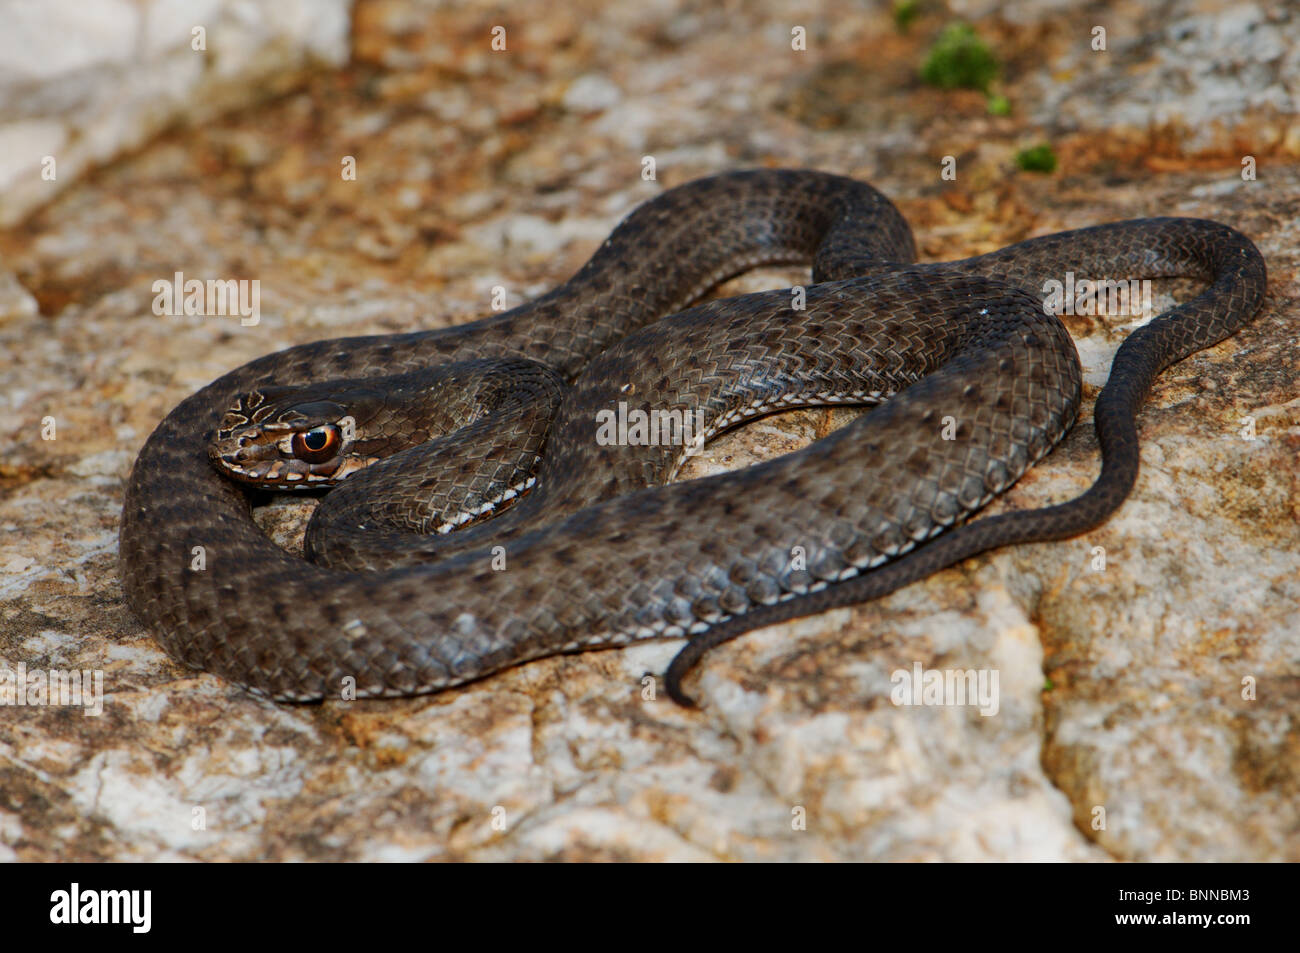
(315, 439)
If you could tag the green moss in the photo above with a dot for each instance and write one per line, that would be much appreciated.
(999, 106)
(1037, 159)
(959, 58)
(905, 11)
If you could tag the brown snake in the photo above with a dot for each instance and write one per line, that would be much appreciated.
(978, 383)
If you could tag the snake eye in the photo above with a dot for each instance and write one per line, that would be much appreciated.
(316, 445)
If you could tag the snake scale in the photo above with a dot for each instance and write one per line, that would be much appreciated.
(590, 545)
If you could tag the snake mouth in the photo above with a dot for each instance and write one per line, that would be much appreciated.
(288, 474)
(273, 470)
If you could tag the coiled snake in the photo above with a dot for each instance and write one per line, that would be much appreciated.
(590, 548)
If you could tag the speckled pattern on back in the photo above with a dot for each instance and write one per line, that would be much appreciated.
(598, 552)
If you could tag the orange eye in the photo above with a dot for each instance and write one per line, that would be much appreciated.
(317, 445)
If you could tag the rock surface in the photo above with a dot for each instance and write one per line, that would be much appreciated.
(1146, 703)
(81, 83)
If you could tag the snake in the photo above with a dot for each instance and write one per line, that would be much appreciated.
(492, 493)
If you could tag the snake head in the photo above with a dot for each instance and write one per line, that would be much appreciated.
(287, 438)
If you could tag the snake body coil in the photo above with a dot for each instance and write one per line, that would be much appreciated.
(978, 383)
